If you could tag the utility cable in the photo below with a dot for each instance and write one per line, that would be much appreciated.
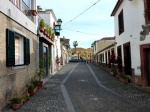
(81, 13)
(81, 32)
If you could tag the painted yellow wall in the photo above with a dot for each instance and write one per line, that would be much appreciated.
(84, 53)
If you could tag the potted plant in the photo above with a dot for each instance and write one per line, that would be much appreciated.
(57, 59)
(42, 25)
(50, 31)
(123, 78)
(113, 61)
(45, 29)
(31, 89)
(39, 73)
(25, 97)
(34, 12)
(16, 102)
(53, 36)
(35, 83)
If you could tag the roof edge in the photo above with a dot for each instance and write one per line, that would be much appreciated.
(116, 7)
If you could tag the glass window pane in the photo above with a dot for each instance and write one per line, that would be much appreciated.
(19, 50)
(28, 3)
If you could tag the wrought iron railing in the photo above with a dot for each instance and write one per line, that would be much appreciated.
(24, 8)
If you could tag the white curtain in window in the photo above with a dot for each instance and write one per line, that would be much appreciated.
(19, 54)
(17, 51)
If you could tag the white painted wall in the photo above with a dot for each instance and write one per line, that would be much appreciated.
(46, 17)
(50, 19)
(14, 13)
(133, 12)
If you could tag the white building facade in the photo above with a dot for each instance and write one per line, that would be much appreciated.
(129, 16)
(99, 46)
(55, 49)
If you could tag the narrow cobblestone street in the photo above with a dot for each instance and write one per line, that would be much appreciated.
(81, 87)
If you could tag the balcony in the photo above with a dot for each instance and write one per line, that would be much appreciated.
(21, 5)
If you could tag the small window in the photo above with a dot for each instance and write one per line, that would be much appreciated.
(16, 2)
(28, 3)
(121, 22)
(148, 10)
(17, 49)
(19, 54)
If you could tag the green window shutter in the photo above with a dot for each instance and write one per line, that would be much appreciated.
(10, 47)
(26, 51)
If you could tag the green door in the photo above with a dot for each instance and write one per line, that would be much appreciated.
(148, 66)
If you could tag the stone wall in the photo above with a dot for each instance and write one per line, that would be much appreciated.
(13, 80)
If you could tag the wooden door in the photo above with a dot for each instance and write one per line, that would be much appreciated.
(148, 66)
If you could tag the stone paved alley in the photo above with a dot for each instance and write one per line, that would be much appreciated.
(80, 87)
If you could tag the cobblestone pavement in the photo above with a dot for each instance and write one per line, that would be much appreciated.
(49, 98)
(87, 88)
(139, 94)
(87, 96)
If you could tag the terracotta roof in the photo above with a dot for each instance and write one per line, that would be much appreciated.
(108, 38)
(116, 7)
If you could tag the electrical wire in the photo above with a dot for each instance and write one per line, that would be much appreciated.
(81, 13)
(81, 32)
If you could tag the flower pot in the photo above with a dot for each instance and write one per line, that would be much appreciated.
(45, 32)
(41, 29)
(25, 100)
(34, 13)
(17, 106)
(47, 35)
(31, 92)
(123, 80)
(35, 89)
(40, 84)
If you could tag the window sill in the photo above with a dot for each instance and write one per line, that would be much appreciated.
(18, 67)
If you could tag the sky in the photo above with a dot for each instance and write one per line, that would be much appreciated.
(92, 25)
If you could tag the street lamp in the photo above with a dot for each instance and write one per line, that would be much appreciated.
(59, 22)
(57, 27)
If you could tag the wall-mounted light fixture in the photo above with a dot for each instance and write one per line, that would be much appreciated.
(57, 27)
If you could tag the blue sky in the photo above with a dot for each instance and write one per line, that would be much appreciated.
(96, 20)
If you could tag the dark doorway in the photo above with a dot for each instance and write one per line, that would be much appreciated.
(45, 57)
(148, 66)
(112, 51)
(109, 64)
(106, 57)
(119, 58)
(127, 58)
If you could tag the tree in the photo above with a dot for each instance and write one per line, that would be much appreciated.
(75, 44)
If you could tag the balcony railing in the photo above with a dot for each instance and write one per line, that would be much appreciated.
(21, 5)
(26, 10)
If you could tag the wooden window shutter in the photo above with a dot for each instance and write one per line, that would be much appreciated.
(148, 10)
(10, 47)
(26, 51)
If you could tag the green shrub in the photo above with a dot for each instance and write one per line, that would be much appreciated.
(42, 23)
(30, 87)
(16, 100)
